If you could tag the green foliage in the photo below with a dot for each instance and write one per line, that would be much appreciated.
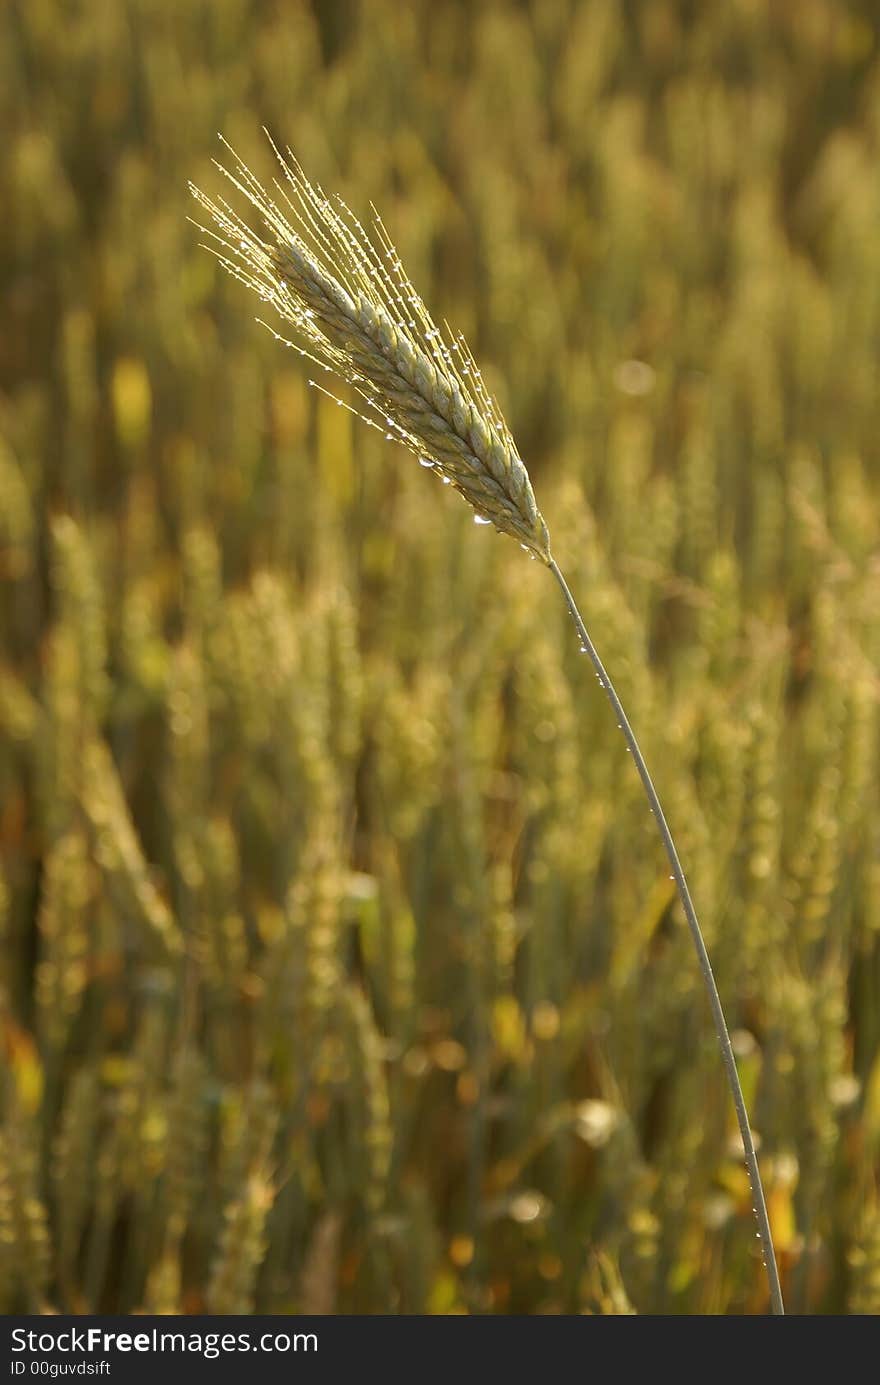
(340, 968)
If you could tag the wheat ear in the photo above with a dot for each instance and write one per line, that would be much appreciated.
(357, 314)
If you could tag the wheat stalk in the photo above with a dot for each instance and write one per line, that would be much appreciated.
(357, 314)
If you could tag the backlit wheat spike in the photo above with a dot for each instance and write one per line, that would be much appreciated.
(357, 314)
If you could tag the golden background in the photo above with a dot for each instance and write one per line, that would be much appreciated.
(340, 969)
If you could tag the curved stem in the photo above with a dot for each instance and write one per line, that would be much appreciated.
(758, 1201)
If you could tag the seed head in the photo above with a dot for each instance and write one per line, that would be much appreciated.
(356, 314)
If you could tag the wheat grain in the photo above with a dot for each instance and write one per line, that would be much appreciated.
(358, 315)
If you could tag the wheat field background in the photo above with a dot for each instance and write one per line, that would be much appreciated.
(340, 968)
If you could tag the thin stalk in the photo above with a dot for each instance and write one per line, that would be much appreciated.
(759, 1204)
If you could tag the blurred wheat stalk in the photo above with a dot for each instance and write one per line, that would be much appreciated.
(358, 316)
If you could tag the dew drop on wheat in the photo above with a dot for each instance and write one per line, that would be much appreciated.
(481, 519)
(427, 463)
